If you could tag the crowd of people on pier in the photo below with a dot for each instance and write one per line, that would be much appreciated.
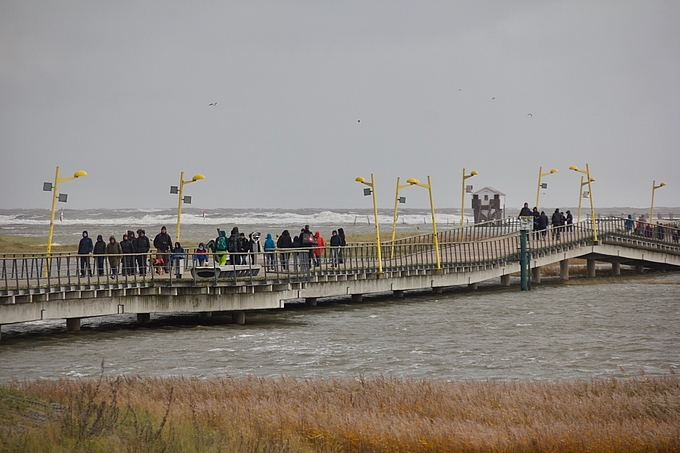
(133, 254)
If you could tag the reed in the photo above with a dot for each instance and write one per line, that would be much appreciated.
(377, 414)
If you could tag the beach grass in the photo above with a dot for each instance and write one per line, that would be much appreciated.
(21, 244)
(376, 414)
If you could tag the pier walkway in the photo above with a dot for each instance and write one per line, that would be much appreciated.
(37, 287)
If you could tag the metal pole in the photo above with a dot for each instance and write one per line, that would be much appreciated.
(523, 260)
(394, 222)
(651, 208)
(377, 228)
(434, 225)
(55, 189)
(592, 208)
(179, 204)
(538, 192)
(462, 209)
(580, 199)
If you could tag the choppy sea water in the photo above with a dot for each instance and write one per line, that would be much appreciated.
(553, 332)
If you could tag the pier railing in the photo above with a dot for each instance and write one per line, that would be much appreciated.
(485, 245)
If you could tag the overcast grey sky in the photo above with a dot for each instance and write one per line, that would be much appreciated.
(122, 90)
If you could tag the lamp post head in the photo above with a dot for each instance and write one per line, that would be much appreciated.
(197, 177)
(554, 170)
(412, 181)
(574, 167)
(79, 173)
(473, 173)
(360, 179)
(662, 184)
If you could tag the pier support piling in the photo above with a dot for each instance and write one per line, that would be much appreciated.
(311, 301)
(398, 294)
(536, 275)
(472, 286)
(616, 269)
(357, 297)
(505, 280)
(72, 324)
(238, 317)
(564, 270)
(639, 269)
(437, 290)
(143, 318)
(590, 268)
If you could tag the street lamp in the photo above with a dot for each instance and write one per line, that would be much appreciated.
(397, 200)
(580, 198)
(415, 182)
(651, 208)
(182, 199)
(590, 196)
(540, 175)
(462, 196)
(369, 191)
(47, 186)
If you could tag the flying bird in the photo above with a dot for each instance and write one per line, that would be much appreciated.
(213, 103)
(460, 89)
(529, 114)
(358, 121)
(493, 99)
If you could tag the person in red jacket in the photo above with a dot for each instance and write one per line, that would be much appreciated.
(318, 250)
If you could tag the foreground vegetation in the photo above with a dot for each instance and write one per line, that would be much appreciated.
(379, 414)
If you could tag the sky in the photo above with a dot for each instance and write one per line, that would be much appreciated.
(312, 94)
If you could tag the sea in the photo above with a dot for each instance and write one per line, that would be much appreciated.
(582, 329)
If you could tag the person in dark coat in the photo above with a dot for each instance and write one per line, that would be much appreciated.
(343, 243)
(569, 220)
(284, 242)
(177, 259)
(233, 246)
(243, 249)
(556, 223)
(543, 226)
(128, 248)
(163, 244)
(99, 251)
(114, 253)
(85, 249)
(537, 222)
(335, 247)
(525, 211)
(142, 247)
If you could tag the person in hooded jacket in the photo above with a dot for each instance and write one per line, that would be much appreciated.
(543, 225)
(142, 247)
(85, 248)
(99, 251)
(556, 223)
(335, 247)
(343, 243)
(221, 248)
(201, 255)
(177, 258)
(269, 248)
(114, 251)
(285, 242)
(128, 249)
(318, 250)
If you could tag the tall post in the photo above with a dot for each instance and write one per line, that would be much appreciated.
(55, 190)
(179, 204)
(580, 199)
(524, 274)
(651, 206)
(538, 192)
(434, 225)
(377, 228)
(592, 207)
(462, 205)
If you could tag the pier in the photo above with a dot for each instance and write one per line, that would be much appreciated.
(40, 286)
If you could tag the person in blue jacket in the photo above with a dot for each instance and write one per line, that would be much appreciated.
(85, 248)
(269, 248)
(178, 254)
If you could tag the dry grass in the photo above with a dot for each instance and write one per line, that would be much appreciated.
(380, 414)
(20, 244)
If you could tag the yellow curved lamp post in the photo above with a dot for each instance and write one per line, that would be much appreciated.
(375, 215)
(182, 199)
(651, 208)
(540, 175)
(462, 203)
(428, 186)
(590, 196)
(580, 197)
(397, 200)
(55, 188)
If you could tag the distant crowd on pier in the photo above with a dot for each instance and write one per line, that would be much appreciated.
(132, 255)
(640, 226)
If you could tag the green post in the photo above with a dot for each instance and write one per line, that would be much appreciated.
(524, 261)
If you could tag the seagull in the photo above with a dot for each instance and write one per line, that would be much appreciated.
(493, 99)
(358, 121)
(213, 103)
(460, 89)
(529, 114)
